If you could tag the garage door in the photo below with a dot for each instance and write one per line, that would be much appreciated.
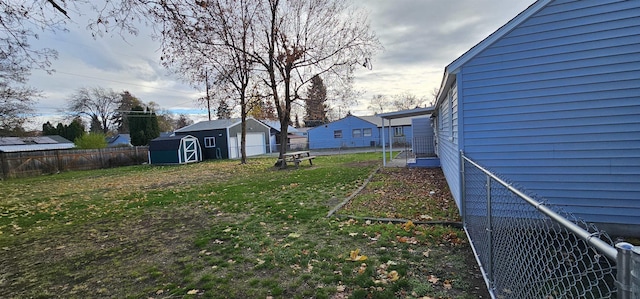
(255, 144)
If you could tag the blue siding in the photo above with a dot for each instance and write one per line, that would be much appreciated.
(554, 106)
(448, 149)
(323, 136)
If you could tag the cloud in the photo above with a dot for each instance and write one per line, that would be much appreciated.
(420, 38)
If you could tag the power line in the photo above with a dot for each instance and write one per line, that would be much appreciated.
(121, 82)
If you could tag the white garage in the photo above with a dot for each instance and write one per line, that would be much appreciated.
(255, 145)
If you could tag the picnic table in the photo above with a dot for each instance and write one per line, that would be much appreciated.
(297, 157)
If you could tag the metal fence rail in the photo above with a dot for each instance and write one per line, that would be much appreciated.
(527, 249)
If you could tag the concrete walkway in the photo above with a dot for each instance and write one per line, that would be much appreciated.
(401, 159)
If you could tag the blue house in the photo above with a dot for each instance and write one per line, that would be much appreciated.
(358, 131)
(351, 131)
(551, 101)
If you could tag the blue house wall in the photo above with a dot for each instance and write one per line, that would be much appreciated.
(326, 136)
(551, 102)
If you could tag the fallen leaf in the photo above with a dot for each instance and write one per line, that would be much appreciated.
(356, 257)
(408, 225)
(340, 288)
(447, 284)
(294, 235)
(426, 217)
(192, 292)
(432, 279)
(393, 275)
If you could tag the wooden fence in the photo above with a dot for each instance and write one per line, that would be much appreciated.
(23, 164)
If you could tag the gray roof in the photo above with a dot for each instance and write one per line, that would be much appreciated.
(377, 120)
(408, 113)
(35, 147)
(275, 124)
(210, 125)
(39, 143)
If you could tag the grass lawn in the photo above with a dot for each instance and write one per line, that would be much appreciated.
(223, 230)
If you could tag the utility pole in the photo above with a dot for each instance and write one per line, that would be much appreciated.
(206, 82)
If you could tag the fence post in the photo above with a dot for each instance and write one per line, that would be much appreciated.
(463, 190)
(489, 235)
(623, 264)
(635, 272)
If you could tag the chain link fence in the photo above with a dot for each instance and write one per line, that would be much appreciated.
(529, 249)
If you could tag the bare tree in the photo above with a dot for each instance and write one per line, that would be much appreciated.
(284, 42)
(18, 21)
(378, 103)
(407, 100)
(15, 108)
(301, 39)
(98, 104)
(218, 35)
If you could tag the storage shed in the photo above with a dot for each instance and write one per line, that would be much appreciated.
(221, 138)
(175, 150)
(551, 102)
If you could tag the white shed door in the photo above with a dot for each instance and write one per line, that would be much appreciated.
(255, 144)
(234, 147)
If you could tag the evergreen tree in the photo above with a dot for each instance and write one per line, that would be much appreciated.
(72, 131)
(143, 126)
(316, 108)
(127, 102)
(49, 129)
(224, 112)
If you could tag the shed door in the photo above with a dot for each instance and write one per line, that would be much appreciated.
(234, 147)
(191, 151)
(255, 144)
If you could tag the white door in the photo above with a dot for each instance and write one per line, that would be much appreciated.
(255, 144)
(234, 147)
(190, 150)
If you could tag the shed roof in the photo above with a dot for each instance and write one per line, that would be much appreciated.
(167, 143)
(210, 125)
(35, 147)
(38, 143)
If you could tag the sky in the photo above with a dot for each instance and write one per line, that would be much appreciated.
(420, 38)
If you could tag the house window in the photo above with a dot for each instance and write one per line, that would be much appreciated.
(397, 131)
(357, 133)
(366, 132)
(337, 134)
(209, 142)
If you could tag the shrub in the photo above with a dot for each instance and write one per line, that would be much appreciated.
(91, 141)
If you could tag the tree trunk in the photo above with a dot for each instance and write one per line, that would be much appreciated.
(243, 138)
